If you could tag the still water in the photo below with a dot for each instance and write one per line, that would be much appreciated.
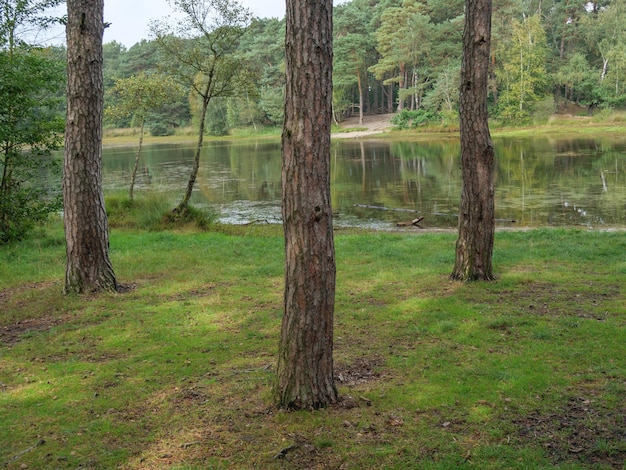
(539, 182)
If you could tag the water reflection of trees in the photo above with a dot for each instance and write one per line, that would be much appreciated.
(538, 181)
(560, 181)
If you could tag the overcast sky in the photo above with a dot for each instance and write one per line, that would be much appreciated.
(130, 19)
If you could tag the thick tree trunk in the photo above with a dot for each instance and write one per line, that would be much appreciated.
(88, 266)
(474, 245)
(305, 359)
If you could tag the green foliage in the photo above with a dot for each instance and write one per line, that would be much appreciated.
(273, 104)
(114, 57)
(406, 54)
(407, 119)
(443, 98)
(408, 40)
(23, 200)
(262, 49)
(141, 60)
(31, 127)
(605, 35)
(140, 97)
(161, 129)
(523, 76)
(217, 118)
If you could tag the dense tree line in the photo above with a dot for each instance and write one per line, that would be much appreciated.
(404, 56)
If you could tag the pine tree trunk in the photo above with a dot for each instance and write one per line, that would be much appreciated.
(474, 245)
(88, 266)
(305, 361)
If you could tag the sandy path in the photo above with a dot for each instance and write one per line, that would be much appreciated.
(376, 124)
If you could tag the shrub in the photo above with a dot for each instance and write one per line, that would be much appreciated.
(407, 119)
(159, 129)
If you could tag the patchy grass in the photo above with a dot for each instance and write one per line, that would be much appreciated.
(528, 371)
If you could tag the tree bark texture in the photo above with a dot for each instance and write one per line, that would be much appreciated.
(305, 362)
(474, 245)
(88, 267)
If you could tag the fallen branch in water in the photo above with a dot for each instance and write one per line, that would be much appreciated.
(383, 208)
(414, 222)
(253, 222)
(438, 214)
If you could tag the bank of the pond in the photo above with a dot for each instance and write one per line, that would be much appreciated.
(380, 127)
(528, 371)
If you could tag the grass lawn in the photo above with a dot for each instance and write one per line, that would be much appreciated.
(528, 371)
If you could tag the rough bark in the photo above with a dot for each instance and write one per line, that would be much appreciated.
(88, 267)
(474, 245)
(305, 363)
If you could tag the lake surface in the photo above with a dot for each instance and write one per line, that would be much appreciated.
(376, 184)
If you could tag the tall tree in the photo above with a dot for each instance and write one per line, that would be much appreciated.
(305, 359)
(203, 55)
(88, 267)
(474, 246)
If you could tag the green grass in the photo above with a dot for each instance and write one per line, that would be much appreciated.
(528, 371)
(153, 211)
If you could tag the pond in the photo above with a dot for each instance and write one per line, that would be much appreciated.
(377, 184)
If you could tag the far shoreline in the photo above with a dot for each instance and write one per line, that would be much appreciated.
(379, 127)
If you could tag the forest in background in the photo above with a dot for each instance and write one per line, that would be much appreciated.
(403, 56)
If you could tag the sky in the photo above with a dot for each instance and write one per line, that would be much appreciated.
(130, 19)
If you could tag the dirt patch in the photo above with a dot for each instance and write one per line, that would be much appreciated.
(12, 334)
(547, 299)
(7, 294)
(363, 370)
(581, 430)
